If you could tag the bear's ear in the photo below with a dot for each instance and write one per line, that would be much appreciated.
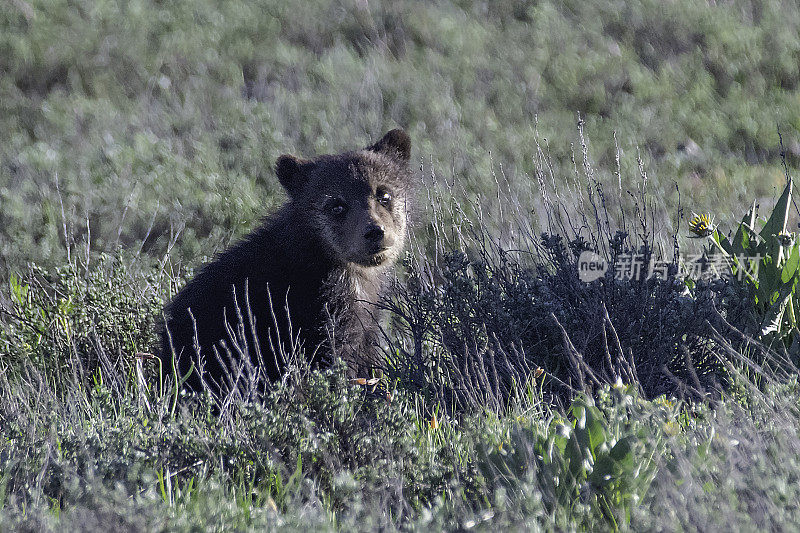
(396, 143)
(291, 173)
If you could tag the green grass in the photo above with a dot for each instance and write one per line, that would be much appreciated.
(146, 119)
(138, 138)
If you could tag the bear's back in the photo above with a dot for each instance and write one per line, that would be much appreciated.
(241, 299)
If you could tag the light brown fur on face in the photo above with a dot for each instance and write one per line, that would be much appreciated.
(357, 204)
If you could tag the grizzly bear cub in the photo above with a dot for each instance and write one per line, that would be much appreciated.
(309, 278)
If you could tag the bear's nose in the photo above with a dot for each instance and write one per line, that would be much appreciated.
(374, 233)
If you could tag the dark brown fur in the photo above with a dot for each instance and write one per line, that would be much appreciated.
(323, 255)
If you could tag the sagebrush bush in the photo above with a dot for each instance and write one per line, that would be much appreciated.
(495, 304)
(67, 321)
(489, 323)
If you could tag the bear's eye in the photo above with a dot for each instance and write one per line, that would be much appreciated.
(336, 206)
(384, 198)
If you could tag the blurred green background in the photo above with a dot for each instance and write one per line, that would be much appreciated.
(148, 123)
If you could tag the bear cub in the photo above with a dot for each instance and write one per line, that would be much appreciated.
(310, 277)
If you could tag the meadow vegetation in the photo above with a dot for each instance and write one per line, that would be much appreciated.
(138, 138)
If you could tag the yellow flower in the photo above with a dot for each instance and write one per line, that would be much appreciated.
(671, 428)
(701, 225)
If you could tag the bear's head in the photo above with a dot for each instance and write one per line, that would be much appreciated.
(356, 202)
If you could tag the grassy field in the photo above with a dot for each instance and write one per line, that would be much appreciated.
(138, 138)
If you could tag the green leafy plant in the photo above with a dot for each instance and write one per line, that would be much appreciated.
(767, 262)
(586, 459)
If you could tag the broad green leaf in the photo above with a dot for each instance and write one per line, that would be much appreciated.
(777, 220)
(774, 316)
(768, 275)
(790, 268)
(623, 449)
(618, 460)
(741, 241)
(724, 242)
(574, 456)
(776, 223)
(589, 428)
(605, 471)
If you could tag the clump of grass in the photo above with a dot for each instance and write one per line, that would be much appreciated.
(494, 305)
(80, 320)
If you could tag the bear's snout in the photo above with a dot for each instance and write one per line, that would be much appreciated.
(375, 233)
